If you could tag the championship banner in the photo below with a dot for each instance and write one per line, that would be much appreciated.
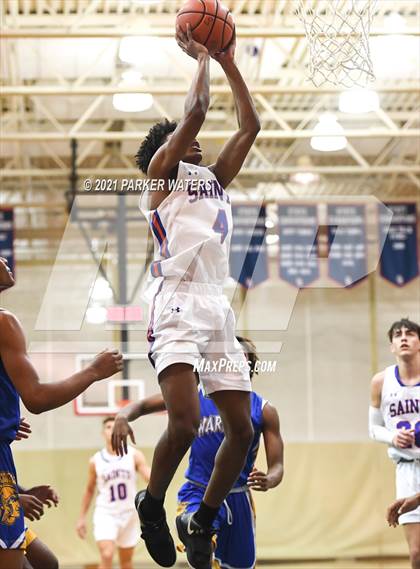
(298, 226)
(248, 250)
(7, 236)
(347, 258)
(399, 260)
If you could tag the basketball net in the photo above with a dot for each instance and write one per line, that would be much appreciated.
(338, 36)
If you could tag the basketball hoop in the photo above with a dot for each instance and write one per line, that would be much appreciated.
(338, 36)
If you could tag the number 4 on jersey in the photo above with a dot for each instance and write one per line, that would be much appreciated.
(221, 225)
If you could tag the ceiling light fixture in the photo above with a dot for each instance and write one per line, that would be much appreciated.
(358, 101)
(328, 134)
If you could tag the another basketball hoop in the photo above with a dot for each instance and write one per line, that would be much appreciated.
(338, 36)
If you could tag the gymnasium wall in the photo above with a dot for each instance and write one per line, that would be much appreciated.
(331, 503)
(337, 483)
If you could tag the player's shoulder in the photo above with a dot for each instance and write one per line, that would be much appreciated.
(7, 318)
(95, 457)
(379, 377)
(258, 399)
(377, 380)
(10, 327)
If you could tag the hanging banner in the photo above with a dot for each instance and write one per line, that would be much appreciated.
(248, 250)
(347, 258)
(399, 260)
(7, 236)
(298, 226)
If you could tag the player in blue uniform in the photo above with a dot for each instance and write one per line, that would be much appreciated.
(235, 522)
(19, 378)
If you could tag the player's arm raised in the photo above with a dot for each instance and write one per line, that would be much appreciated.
(233, 154)
(195, 109)
(81, 527)
(39, 397)
(122, 430)
(274, 450)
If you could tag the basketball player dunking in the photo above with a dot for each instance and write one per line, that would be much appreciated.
(190, 317)
(19, 378)
(394, 418)
(115, 520)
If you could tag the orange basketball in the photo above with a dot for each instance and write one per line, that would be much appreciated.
(211, 23)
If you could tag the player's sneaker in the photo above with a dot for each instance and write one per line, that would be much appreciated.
(197, 540)
(158, 539)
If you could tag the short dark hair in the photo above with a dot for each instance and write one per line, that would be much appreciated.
(154, 140)
(251, 353)
(108, 420)
(403, 323)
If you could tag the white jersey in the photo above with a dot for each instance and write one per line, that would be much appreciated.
(115, 480)
(192, 228)
(400, 406)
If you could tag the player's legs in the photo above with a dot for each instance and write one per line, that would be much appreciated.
(179, 389)
(234, 409)
(39, 556)
(126, 557)
(11, 558)
(106, 549)
(412, 534)
(178, 383)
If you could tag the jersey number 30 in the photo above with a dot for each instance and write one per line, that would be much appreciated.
(221, 225)
(408, 426)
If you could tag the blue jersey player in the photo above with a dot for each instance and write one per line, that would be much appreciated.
(235, 522)
(18, 378)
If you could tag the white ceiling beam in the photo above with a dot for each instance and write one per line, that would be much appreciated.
(207, 135)
(167, 32)
(182, 89)
(98, 171)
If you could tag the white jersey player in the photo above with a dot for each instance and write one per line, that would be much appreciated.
(394, 418)
(190, 216)
(115, 522)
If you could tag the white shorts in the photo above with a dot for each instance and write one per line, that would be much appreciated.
(122, 528)
(194, 323)
(408, 483)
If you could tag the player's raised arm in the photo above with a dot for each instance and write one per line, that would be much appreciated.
(122, 430)
(274, 450)
(39, 397)
(175, 148)
(233, 154)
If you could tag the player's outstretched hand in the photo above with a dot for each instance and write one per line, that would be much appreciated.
(401, 506)
(188, 44)
(404, 438)
(45, 494)
(106, 364)
(120, 432)
(24, 430)
(81, 528)
(228, 54)
(258, 480)
(32, 507)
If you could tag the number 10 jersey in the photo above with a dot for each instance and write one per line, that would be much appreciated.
(115, 481)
